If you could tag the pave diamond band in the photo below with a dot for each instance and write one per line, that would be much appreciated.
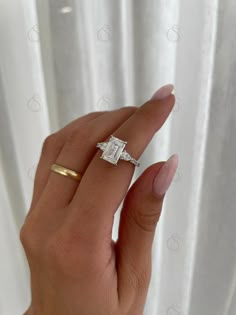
(113, 150)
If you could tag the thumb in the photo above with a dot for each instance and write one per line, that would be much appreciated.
(139, 216)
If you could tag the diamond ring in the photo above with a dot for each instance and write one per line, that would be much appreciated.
(113, 150)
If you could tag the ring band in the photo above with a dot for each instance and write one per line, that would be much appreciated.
(66, 172)
(113, 150)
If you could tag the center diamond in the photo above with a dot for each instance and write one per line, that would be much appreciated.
(113, 150)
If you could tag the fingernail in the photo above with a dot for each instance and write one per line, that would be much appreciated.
(163, 92)
(165, 176)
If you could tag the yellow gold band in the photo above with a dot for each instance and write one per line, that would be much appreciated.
(65, 172)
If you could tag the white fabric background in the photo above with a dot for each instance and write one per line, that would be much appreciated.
(62, 59)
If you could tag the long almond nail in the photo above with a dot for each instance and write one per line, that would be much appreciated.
(163, 92)
(165, 176)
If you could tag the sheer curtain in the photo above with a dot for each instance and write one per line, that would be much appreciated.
(62, 59)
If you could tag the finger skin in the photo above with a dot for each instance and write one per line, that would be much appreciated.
(68, 274)
(50, 150)
(139, 215)
(77, 152)
(107, 184)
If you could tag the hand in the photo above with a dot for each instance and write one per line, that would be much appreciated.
(76, 268)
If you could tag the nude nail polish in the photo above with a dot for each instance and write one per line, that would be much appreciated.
(165, 176)
(163, 92)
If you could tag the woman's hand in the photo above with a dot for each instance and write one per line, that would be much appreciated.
(76, 268)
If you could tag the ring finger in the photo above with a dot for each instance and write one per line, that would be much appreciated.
(50, 152)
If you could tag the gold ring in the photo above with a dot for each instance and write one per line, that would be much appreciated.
(65, 172)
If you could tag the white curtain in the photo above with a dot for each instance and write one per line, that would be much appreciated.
(62, 59)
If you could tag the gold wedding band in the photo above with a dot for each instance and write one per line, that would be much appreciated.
(65, 171)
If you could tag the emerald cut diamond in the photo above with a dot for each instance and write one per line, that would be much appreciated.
(113, 150)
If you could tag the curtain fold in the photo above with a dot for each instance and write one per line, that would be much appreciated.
(61, 60)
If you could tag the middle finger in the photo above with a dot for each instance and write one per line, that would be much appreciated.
(78, 152)
(104, 185)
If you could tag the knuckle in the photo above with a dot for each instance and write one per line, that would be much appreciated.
(145, 218)
(50, 143)
(28, 240)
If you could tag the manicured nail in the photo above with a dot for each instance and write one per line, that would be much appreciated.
(165, 176)
(163, 92)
